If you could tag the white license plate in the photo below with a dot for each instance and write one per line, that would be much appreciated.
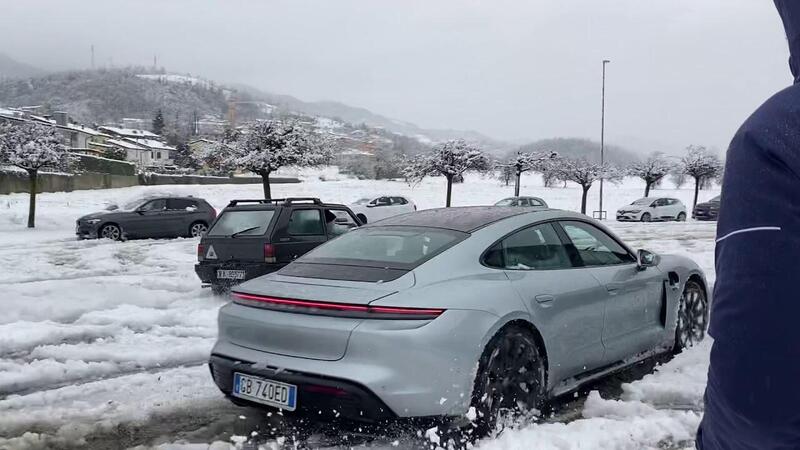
(230, 274)
(268, 392)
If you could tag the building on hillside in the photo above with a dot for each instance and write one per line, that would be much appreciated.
(73, 135)
(199, 146)
(134, 153)
(135, 124)
(129, 133)
(210, 127)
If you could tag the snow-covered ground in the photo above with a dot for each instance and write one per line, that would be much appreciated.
(103, 344)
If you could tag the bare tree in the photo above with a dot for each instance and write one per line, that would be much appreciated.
(701, 165)
(264, 147)
(450, 159)
(528, 162)
(585, 173)
(651, 170)
(33, 146)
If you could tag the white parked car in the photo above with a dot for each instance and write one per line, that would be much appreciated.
(373, 209)
(648, 209)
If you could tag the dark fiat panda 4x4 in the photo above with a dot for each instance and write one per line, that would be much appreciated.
(251, 238)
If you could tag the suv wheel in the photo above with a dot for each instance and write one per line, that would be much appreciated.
(511, 378)
(692, 316)
(198, 229)
(110, 231)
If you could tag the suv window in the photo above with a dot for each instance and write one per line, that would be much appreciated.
(180, 204)
(154, 205)
(305, 222)
(533, 248)
(595, 247)
(242, 223)
(338, 221)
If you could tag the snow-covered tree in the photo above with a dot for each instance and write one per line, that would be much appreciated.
(33, 146)
(266, 146)
(585, 173)
(701, 165)
(449, 159)
(651, 170)
(158, 123)
(528, 162)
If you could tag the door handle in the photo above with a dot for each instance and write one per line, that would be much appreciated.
(544, 299)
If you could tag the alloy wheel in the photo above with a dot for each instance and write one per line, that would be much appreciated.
(198, 229)
(692, 316)
(111, 232)
(646, 217)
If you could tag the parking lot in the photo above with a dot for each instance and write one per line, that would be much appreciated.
(107, 341)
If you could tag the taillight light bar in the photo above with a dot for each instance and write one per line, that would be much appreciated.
(269, 253)
(336, 309)
(200, 251)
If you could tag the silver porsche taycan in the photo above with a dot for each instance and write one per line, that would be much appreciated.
(453, 312)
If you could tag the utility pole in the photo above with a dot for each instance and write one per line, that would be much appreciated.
(92, 56)
(602, 134)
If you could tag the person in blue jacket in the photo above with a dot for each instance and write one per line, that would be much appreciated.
(752, 399)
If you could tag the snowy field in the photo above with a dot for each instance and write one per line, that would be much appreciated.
(103, 344)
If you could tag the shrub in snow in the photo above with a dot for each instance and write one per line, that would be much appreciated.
(528, 162)
(651, 170)
(450, 159)
(264, 147)
(585, 173)
(701, 165)
(31, 147)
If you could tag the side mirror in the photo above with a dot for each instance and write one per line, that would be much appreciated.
(645, 259)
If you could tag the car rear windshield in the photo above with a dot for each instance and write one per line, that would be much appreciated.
(242, 223)
(389, 247)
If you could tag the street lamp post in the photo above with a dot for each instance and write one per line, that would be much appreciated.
(602, 134)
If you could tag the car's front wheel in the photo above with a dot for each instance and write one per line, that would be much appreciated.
(692, 316)
(681, 217)
(511, 378)
(198, 229)
(110, 231)
(645, 217)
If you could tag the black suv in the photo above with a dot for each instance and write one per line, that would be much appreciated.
(251, 238)
(708, 210)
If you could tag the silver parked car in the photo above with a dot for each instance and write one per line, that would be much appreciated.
(522, 201)
(453, 312)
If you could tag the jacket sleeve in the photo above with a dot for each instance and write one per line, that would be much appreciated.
(790, 15)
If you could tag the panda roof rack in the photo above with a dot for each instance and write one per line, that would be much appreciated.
(278, 201)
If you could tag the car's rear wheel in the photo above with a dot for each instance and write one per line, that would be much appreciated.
(511, 378)
(198, 229)
(681, 217)
(362, 218)
(692, 316)
(645, 217)
(110, 231)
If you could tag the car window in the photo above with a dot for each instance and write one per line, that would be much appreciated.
(180, 204)
(505, 202)
(595, 247)
(154, 205)
(399, 201)
(242, 223)
(392, 247)
(535, 202)
(383, 201)
(305, 222)
(533, 248)
(338, 222)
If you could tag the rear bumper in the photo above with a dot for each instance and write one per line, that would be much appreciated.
(207, 272)
(321, 397)
(417, 368)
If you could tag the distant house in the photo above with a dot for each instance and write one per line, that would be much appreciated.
(74, 136)
(141, 147)
(134, 124)
(129, 133)
(200, 145)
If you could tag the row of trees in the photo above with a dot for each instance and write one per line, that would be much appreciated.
(452, 159)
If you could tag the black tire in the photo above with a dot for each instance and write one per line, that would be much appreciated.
(110, 231)
(681, 217)
(198, 229)
(362, 218)
(645, 217)
(510, 364)
(692, 318)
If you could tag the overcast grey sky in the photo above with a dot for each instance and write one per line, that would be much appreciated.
(682, 72)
